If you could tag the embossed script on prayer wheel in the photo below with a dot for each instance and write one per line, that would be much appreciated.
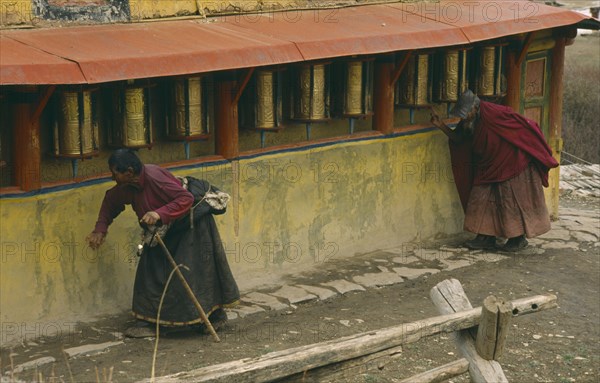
(265, 102)
(487, 66)
(413, 88)
(451, 75)
(453, 70)
(187, 114)
(310, 104)
(75, 134)
(354, 88)
(135, 123)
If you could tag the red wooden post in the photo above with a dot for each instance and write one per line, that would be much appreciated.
(226, 120)
(27, 152)
(513, 79)
(383, 98)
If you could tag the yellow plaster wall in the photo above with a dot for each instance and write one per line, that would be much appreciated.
(149, 9)
(15, 12)
(289, 212)
(49, 278)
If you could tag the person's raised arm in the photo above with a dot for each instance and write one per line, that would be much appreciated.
(438, 123)
(111, 207)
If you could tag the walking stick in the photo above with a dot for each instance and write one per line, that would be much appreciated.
(188, 289)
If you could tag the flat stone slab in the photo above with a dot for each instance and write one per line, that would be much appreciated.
(453, 265)
(565, 211)
(261, 299)
(487, 256)
(32, 364)
(581, 223)
(343, 286)
(409, 273)
(453, 249)
(322, 293)
(378, 279)
(231, 315)
(536, 241)
(561, 245)
(90, 349)
(405, 259)
(433, 255)
(294, 294)
(244, 311)
(583, 236)
(562, 234)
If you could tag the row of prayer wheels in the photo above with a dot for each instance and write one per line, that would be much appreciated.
(76, 128)
(310, 89)
(427, 78)
(442, 77)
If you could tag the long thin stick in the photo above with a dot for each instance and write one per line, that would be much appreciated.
(188, 290)
(162, 298)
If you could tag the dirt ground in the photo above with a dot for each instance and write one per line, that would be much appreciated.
(558, 345)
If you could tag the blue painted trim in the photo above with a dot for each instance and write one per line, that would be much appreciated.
(59, 188)
(54, 189)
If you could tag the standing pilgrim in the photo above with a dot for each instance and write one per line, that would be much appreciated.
(500, 161)
(162, 204)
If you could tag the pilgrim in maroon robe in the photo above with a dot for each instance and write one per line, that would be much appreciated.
(199, 248)
(499, 174)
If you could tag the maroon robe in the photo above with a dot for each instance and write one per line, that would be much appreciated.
(503, 145)
(199, 248)
(159, 191)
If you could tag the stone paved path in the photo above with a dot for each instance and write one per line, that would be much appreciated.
(574, 228)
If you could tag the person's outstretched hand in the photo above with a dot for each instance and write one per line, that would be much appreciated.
(95, 239)
(435, 119)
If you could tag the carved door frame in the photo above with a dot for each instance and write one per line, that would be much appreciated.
(535, 89)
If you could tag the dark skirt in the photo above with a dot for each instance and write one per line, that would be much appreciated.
(206, 271)
(509, 209)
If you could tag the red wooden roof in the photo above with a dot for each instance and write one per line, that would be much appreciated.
(103, 53)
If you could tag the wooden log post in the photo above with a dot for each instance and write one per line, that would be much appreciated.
(449, 297)
(493, 328)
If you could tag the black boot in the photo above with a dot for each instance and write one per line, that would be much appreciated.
(482, 242)
(515, 244)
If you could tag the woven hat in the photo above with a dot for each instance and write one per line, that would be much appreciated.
(465, 103)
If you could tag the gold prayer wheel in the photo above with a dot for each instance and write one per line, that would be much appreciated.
(453, 76)
(261, 104)
(414, 87)
(265, 106)
(353, 99)
(186, 109)
(75, 134)
(358, 88)
(489, 78)
(132, 123)
(310, 95)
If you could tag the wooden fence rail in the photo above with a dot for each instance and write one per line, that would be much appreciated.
(318, 359)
